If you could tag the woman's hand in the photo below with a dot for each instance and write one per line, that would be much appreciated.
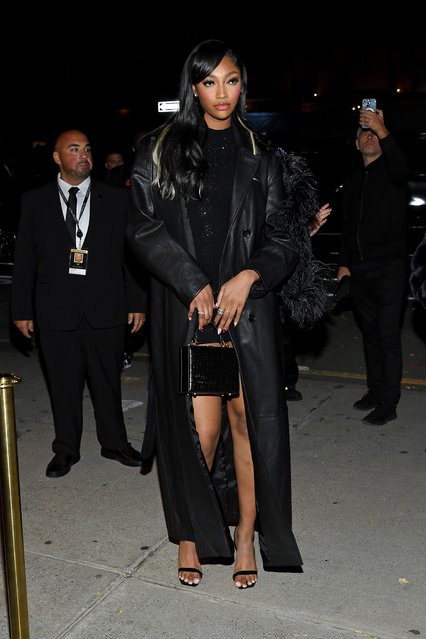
(136, 320)
(232, 299)
(203, 303)
(319, 219)
(26, 327)
(342, 271)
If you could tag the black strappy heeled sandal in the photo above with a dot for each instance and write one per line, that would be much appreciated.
(243, 572)
(186, 583)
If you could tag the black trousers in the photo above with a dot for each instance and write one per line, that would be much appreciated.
(379, 299)
(71, 358)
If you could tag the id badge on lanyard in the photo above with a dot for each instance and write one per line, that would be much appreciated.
(78, 261)
(78, 256)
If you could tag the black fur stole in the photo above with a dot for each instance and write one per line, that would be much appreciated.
(304, 295)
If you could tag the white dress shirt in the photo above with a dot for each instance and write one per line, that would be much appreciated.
(83, 221)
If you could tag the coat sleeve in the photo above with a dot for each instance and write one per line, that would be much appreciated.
(151, 242)
(135, 288)
(277, 258)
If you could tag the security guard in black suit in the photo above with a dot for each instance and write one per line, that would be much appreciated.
(71, 281)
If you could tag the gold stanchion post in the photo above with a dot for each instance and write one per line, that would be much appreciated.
(11, 512)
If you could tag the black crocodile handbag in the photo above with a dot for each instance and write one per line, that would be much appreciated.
(208, 370)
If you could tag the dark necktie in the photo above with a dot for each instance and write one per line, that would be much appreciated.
(72, 206)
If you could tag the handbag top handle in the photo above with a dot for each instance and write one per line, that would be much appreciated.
(194, 340)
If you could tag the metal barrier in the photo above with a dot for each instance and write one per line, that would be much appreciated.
(11, 512)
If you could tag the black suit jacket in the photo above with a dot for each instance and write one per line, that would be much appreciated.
(42, 288)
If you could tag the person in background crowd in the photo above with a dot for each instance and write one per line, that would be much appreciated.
(70, 257)
(137, 137)
(117, 173)
(113, 160)
(374, 254)
(208, 225)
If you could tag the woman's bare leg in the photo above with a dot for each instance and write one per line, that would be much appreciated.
(208, 419)
(207, 416)
(243, 462)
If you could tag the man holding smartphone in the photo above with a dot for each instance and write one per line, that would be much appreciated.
(374, 254)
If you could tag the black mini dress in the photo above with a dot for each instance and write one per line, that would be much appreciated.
(209, 217)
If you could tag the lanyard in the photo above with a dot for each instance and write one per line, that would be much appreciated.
(73, 213)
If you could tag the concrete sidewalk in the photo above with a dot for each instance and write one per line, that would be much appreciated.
(99, 564)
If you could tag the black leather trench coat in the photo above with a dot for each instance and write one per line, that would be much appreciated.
(200, 505)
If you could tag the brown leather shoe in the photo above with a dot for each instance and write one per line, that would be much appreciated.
(292, 394)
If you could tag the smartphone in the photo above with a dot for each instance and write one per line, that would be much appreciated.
(370, 104)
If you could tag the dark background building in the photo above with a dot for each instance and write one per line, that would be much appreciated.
(106, 73)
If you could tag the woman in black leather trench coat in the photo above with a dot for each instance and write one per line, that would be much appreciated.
(208, 225)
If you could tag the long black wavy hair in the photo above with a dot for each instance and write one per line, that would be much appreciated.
(178, 152)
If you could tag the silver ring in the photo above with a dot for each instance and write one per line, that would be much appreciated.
(220, 311)
(201, 313)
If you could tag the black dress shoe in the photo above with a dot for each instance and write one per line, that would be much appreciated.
(292, 394)
(382, 414)
(367, 402)
(61, 464)
(127, 456)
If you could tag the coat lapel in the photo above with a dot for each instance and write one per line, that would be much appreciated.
(53, 205)
(246, 164)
